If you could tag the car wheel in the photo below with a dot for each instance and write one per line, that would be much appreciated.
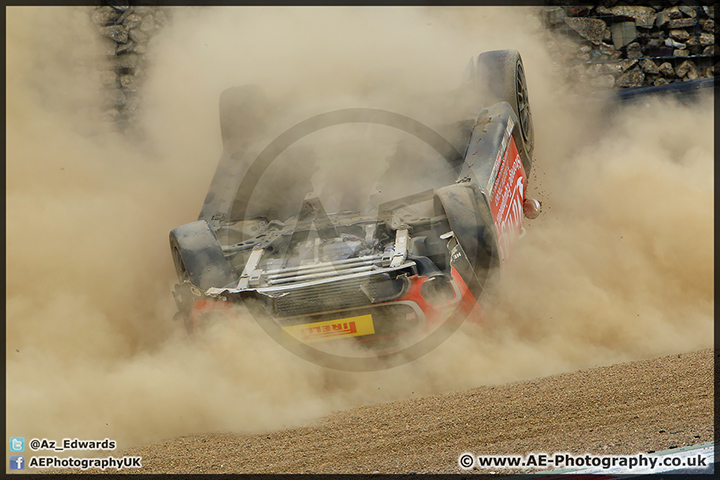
(198, 256)
(243, 112)
(472, 225)
(501, 76)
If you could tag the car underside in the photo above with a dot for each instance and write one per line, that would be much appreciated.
(370, 274)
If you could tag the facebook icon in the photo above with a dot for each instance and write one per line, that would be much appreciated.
(17, 462)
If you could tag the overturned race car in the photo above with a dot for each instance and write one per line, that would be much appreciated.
(405, 267)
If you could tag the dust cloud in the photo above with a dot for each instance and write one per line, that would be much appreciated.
(618, 267)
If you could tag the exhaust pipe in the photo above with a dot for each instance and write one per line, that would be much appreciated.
(531, 208)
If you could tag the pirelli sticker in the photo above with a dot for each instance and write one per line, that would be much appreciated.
(332, 329)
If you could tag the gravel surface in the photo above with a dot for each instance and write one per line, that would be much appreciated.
(642, 406)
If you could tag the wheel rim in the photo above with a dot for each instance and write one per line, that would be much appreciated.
(523, 105)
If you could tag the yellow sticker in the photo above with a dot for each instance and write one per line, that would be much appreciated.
(332, 329)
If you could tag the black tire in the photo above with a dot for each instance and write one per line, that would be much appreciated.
(501, 77)
(243, 112)
(198, 256)
(472, 224)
